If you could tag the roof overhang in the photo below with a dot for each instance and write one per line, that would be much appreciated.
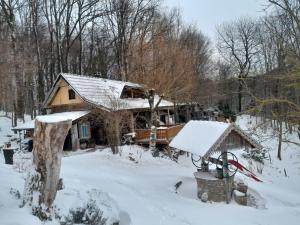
(56, 117)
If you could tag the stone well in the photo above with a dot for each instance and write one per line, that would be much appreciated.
(214, 187)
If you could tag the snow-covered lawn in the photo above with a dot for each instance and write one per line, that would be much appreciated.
(145, 193)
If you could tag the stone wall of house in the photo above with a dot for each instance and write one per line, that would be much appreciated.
(214, 187)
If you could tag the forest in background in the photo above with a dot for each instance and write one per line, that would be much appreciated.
(256, 69)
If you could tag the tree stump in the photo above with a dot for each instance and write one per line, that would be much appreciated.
(48, 144)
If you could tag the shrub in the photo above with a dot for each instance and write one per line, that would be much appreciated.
(97, 209)
(258, 155)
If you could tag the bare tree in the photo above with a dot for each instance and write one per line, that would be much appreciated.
(237, 42)
(10, 9)
(126, 19)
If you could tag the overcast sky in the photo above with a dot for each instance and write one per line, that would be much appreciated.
(207, 14)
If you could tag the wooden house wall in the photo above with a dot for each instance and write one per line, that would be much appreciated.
(70, 107)
(61, 97)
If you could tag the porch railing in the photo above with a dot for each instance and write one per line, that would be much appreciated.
(164, 134)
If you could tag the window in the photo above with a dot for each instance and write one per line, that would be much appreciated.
(84, 130)
(71, 94)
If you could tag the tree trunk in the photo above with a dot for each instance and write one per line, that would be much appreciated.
(14, 117)
(47, 150)
(153, 119)
(115, 132)
(153, 129)
(153, 132)
(279, 141)
(240, 95)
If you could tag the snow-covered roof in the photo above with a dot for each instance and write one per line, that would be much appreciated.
(52, 118)
(142, 103)
(57, 117)
(105, 93)
(197, 137)
(204, 137)
(97, 90)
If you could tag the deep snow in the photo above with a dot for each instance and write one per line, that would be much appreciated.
(144, 188)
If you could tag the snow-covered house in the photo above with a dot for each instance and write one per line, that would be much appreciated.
(86, 97)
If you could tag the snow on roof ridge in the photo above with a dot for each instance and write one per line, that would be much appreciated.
(101, 78)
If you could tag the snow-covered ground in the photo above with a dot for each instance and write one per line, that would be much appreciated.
(143, 188)
(5, 128)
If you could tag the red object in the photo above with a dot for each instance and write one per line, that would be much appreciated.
(244, 170)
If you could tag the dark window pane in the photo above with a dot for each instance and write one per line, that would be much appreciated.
(71, 94)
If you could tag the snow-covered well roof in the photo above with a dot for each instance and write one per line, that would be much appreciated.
(52, 118)
(105, 93)
(205, 137)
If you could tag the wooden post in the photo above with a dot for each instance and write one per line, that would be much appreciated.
(48, 144)
(168, 120)
(75, 138)
(132, 124)
(226, 176)
(20, 144)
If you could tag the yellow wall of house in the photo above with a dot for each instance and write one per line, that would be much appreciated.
(62, 96)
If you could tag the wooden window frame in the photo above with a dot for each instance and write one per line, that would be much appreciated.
(84, 130)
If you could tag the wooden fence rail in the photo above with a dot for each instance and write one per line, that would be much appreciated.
(164, 134)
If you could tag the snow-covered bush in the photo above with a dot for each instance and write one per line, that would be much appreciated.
(89, 214)
(31, 195)
(31, 185)
(22, 161)
(257, 155)
(15, 193)
(93, 207)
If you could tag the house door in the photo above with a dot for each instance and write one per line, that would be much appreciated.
(68, 142)
(98, 135)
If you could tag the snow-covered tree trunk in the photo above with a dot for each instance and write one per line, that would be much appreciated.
(153, 119)
(152, 142)
(42, 184)
(152, 138)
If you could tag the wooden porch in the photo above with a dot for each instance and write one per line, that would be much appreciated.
(164, 134)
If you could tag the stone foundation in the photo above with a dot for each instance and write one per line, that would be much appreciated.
(214, 187)
(240, 197)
